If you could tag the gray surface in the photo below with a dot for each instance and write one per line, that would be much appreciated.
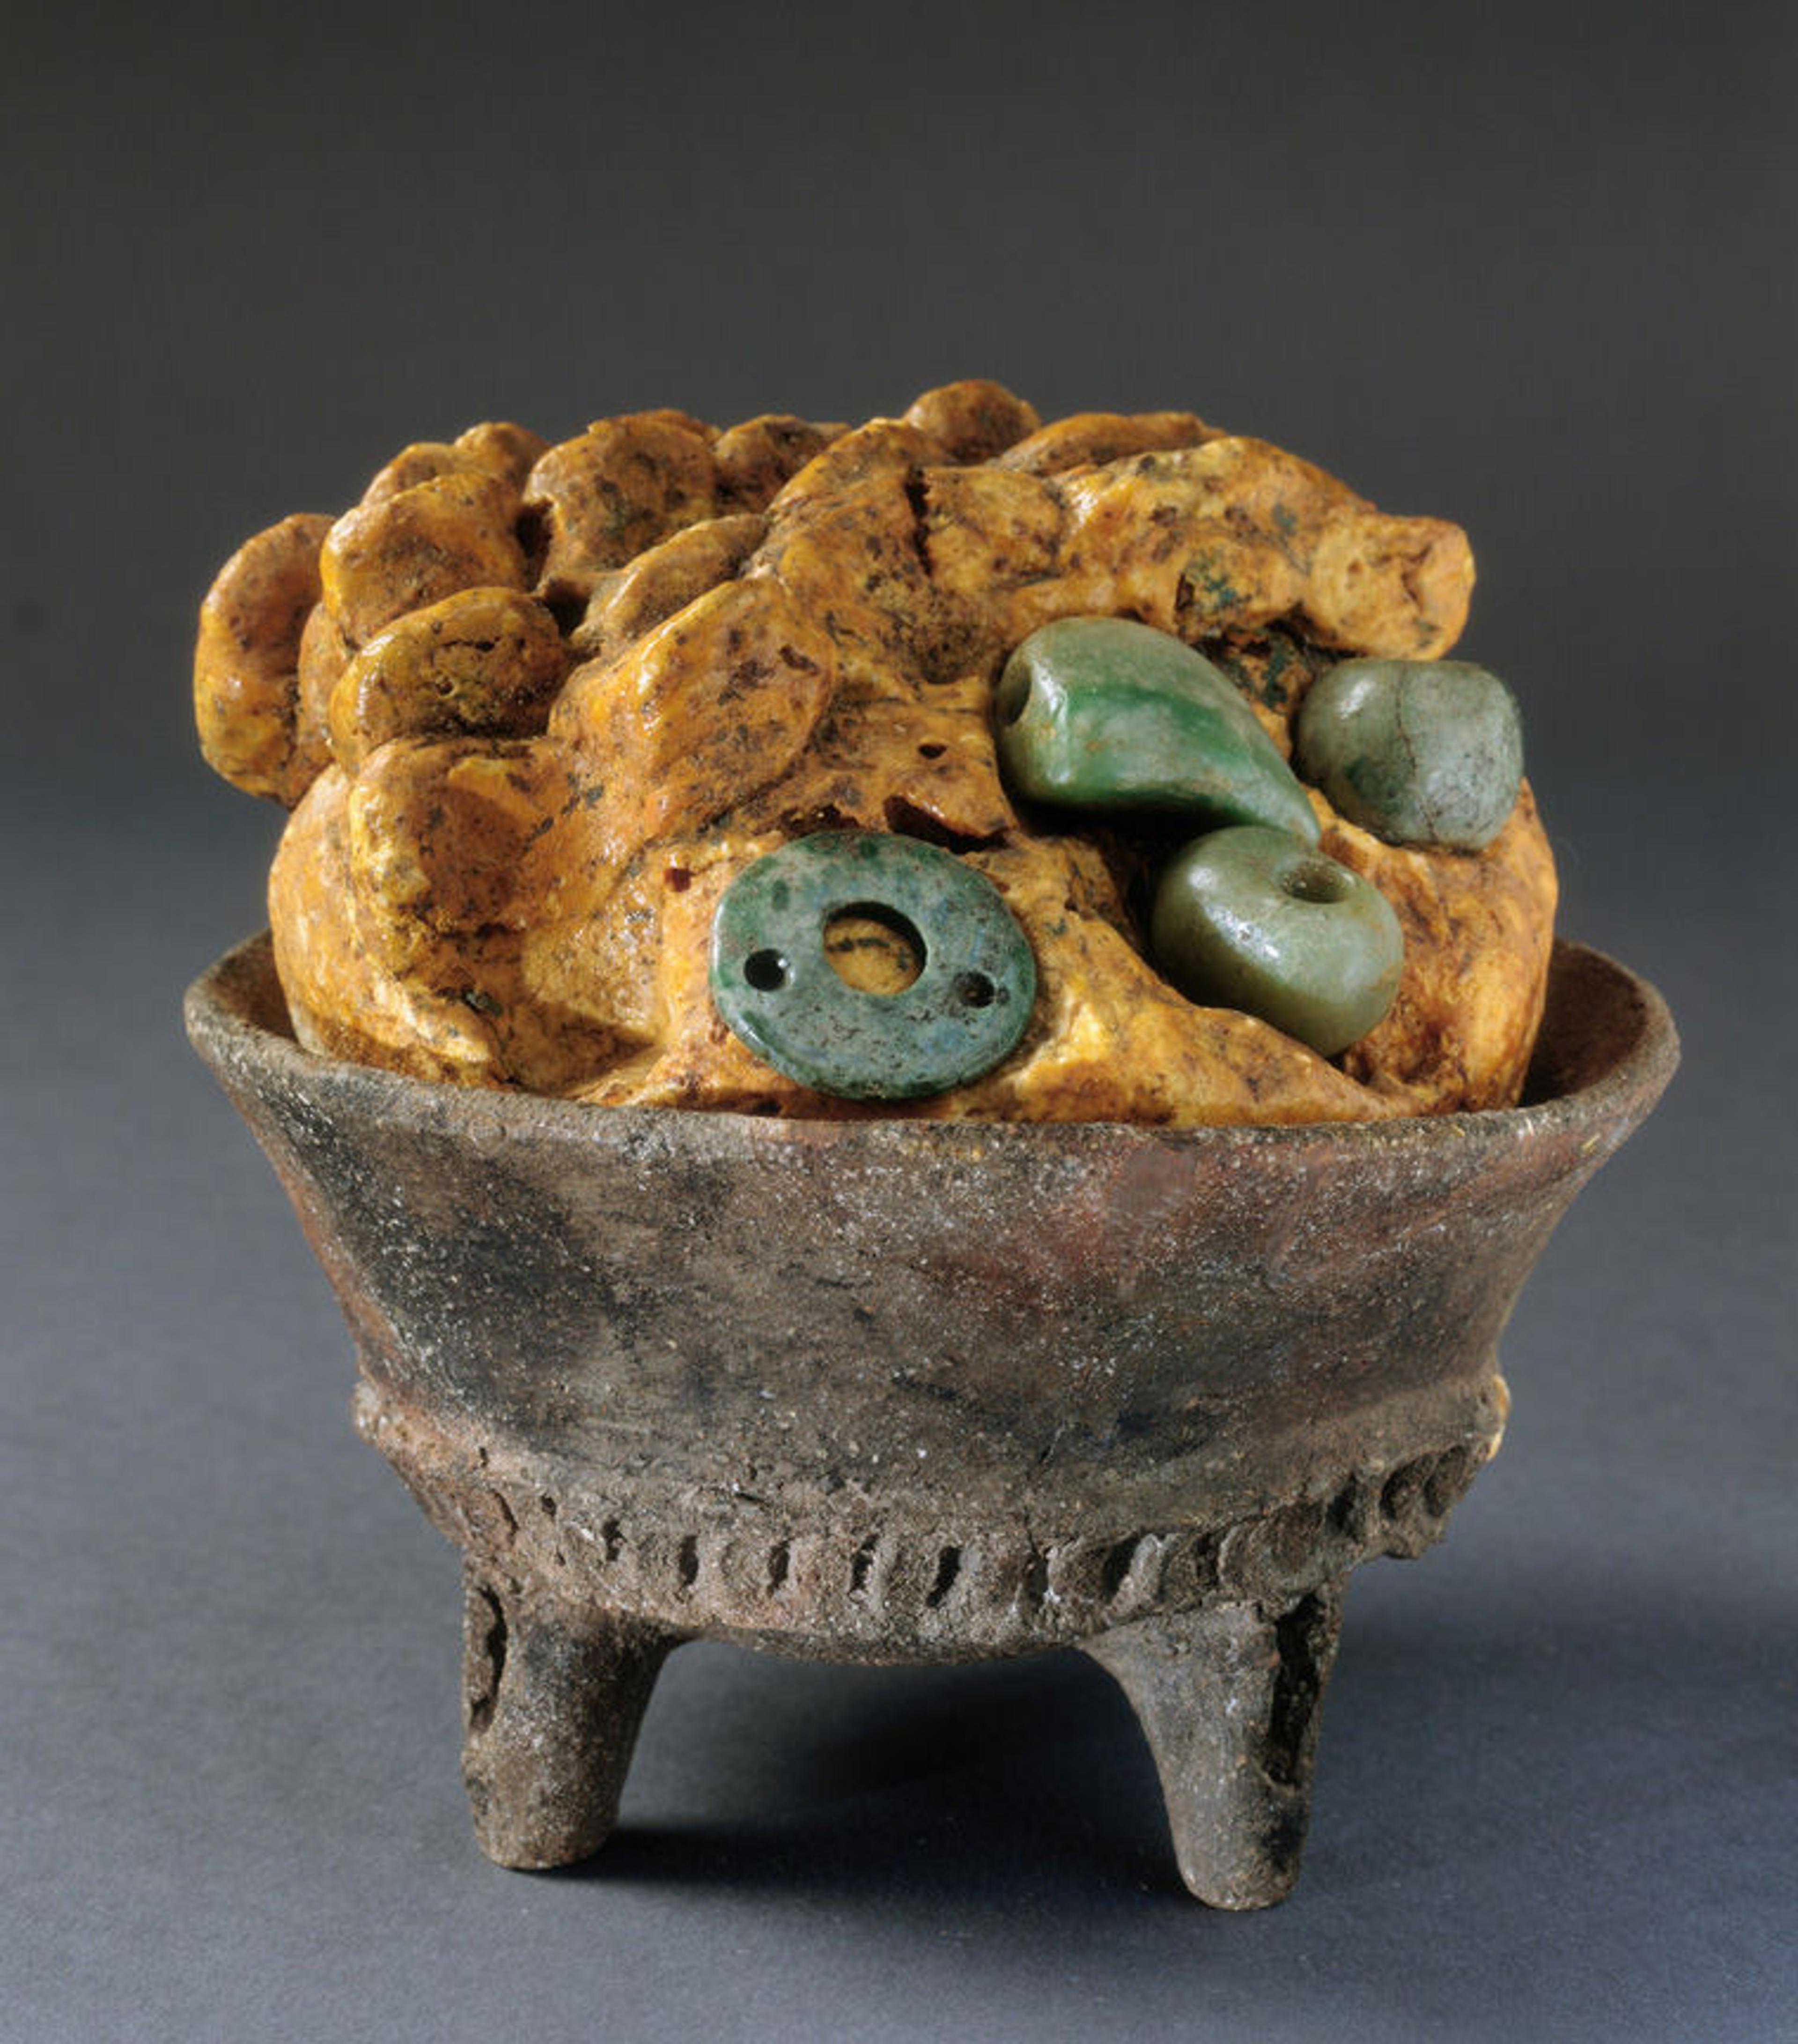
(1495, 267)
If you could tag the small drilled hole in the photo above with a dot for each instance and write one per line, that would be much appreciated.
(975, 990)
(1315, 880)
(690, 1562)
(874, 948)
(932, 752)
(1013, 697)
(766, 971)
(780, 1567)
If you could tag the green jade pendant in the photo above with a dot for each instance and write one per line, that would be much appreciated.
(1249, 918)
(1104, 714)
(1421, 752)
(773, 982)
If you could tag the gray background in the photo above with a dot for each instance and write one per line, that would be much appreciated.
(1504, 265)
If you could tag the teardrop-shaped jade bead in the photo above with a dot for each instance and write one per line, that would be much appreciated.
(1423, 752)
(1249, 918)
(1106, 714)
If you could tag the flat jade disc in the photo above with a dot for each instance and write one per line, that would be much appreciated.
(773, 983)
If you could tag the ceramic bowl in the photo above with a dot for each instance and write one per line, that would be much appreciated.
(898, 1389)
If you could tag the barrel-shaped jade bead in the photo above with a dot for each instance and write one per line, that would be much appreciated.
(1420, 752)
(1249, 918)
(1108, 715)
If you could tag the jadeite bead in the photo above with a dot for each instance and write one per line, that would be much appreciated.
(1104, 713)
(1249, 918)
(1424, 752)
(772, 981)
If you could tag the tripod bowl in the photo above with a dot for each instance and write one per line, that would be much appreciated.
(903, 1390)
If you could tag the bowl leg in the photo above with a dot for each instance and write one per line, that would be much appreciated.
(553, 1697)
(1229, 1698)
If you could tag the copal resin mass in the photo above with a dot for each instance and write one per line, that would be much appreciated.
(540, 713)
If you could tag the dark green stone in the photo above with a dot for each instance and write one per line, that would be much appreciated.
(1423, 752)
(775, 985)
(1249, 918)
(1104, 714)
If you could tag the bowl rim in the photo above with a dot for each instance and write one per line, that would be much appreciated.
(1626, 1026)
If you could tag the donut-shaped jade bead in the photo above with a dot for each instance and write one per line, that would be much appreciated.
(1103, 713)
(772, 981)
(1422, 752)
(1249, 918)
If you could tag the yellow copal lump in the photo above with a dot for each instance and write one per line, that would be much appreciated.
(533, 707)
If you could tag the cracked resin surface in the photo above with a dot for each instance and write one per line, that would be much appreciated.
(534, 708)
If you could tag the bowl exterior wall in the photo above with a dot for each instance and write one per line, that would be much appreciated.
(1040, 1335)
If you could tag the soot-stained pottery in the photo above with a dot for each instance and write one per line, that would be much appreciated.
(889, 1390)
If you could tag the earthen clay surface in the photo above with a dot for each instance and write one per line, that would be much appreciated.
(887, 1391)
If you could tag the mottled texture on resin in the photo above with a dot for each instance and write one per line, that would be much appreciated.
(507, 848)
